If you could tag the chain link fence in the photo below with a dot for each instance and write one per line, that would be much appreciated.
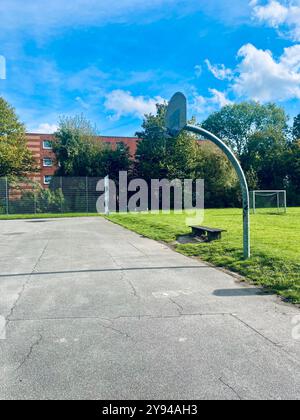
(62, 195)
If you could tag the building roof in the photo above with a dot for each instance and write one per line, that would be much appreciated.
(100, 136)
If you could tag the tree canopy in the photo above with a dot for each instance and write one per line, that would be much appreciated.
(265, 156)
(75, 146)
(161, 156)
(15, 157)
(235, 124)
(79, 152)
(296, 128)
(258, 134)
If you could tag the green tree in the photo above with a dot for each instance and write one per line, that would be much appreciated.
(76, 147)
(293, 173)
(221, 185)
(160, 156)
(80, 153)
(296, 128)
(15, 157)
(236, 124)
(265, 155)
(112, 162)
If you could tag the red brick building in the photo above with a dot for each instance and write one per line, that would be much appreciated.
(41, 147)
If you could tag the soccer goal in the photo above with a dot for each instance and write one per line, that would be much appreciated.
(273, 201)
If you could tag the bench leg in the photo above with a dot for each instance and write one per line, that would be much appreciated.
(214, 236)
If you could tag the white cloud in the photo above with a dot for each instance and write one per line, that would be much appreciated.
(291, 58)
(34, 15)
(278, 14)
(219, 71)
(204, 105)
(219, 98)
(82, 103)
(2, 67)
(199, 104)
(198, 70)
(273, 13)
(46, 128)
(84, 79)
(123, 103)
(261, 77)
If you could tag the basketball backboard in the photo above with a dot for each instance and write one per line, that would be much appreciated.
(176, 116)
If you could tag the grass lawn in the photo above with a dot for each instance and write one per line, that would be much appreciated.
(45, 216)
(275, 261)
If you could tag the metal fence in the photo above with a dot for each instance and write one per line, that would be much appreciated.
(62, 195)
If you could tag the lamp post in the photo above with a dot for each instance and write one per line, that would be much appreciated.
(176, 121)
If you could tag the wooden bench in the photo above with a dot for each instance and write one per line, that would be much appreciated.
(210, 233)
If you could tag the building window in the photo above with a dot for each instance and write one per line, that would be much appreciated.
(47, 179)
(47, 145)
(120, 145)
(47, 162)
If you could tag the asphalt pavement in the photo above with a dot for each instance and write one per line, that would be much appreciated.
(94, 311)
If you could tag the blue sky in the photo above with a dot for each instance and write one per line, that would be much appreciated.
(113, 60)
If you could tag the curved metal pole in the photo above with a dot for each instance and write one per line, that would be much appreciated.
(242, 178)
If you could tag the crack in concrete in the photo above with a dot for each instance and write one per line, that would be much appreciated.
(134, 291)
(158, 317)
(108, 327)
(178, 306)
(118, 317)
(231, 388)
(139, 250)
(255, 330)
(28, 355)
(20, 293)
(25, 284)
(277, 345)
(124, 277)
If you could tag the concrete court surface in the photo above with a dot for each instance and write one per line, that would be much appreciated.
(97, 312)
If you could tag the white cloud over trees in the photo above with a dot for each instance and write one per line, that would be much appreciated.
(123, 103)
(260, 76)
(283, 15)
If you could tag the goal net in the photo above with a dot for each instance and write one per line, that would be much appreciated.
(268, 201)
